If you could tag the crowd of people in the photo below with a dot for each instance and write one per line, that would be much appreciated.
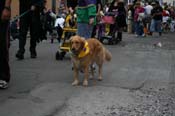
(151, 17)
(143, 17)
(85, 15)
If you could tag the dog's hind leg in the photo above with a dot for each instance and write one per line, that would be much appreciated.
(100, 72)
(92, 70)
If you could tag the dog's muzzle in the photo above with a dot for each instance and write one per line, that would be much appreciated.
(74, 52)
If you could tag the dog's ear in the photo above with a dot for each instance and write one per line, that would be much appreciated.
(71, 38)
(70, 41)
(83, 41)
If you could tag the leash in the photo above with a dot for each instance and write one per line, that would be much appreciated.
(24, 13)
(16, 18)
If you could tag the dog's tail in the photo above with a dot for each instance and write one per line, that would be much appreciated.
(108, 55)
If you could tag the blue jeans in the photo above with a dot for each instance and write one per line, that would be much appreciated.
(138, 27)
(84, 30)
(156, 26)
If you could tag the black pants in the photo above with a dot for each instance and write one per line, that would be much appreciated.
(31, 21)
(113, 29)
(59, 32)
(94, 31)
(4, 50)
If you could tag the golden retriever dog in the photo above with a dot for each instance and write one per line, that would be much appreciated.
(84, 54)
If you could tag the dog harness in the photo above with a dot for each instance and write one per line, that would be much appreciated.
(84, 51)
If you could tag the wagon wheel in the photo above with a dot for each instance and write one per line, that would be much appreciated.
(57, 56)
(60, 55)
(111, 40)
(101, 39)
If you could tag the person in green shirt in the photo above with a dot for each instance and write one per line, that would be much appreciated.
(86, 17)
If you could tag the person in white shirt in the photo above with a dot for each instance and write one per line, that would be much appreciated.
(59, 21)
(147, 20)
(148, 9)
(59, 25)
(165, 18)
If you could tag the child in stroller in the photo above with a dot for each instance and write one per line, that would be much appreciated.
(59, 25)
(116, 17)
(103, 30)
(63, 22)
(69, 29)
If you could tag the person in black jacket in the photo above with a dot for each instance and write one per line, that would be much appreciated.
(4, 43)
(117, 7)
(156, 21)
(30, 9)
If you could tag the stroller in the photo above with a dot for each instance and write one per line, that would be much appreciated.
(70, 29)
(103, 28)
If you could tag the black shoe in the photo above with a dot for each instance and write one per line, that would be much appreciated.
(20, 56)
(33, 55)
(116, 41)
(120, 40)
(119, 35)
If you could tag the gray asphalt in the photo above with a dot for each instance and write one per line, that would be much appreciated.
(139, 81)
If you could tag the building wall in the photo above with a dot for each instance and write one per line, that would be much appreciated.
(15, 7)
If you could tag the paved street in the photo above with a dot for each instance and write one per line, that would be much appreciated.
(139, 81)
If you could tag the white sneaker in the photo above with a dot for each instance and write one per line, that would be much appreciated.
(3, 84)
(136, 35)
(143, 35)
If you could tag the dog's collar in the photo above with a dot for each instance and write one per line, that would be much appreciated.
(84, 51)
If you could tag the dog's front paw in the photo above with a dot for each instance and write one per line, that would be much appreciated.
(100, 79)
(75, 83)
(85, 83)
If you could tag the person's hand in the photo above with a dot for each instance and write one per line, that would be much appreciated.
(45, 10)
(98, 14)
(71, 10)
(91, 21)
(6, 14)
(32, 8)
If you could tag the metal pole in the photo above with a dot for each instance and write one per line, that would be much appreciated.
(129, 29)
